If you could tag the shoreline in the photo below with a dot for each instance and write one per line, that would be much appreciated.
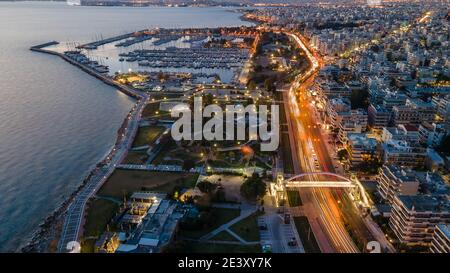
(46, 237)
(45, 233)
(50, 228)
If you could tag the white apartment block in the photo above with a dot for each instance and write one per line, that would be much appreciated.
(395, 180)
(414, 218)
(441, 239)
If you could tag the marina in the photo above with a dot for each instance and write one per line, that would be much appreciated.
(62, 119)
(214, 53)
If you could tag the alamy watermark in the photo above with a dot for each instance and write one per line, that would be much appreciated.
(231, 125)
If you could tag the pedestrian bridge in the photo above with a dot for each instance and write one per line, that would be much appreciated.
(313, 180)
(320, 184)
(296, 181)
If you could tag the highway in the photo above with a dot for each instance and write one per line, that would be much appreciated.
(320, 206)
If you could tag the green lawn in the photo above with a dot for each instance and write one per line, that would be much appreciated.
(196, 247)
(171, 154)
(294, 199)
(222, 164)
(222, 216)
(248, 228)
(134, 157)
(187, 182)
(287, 153)
(148, 135)
(98, 215)
(224, 236)
(87, 246)
(125, 182)
(150, 110)
(306, 235)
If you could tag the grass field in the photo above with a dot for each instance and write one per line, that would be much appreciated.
(306, 235)
(247, 228)
(285, 143)
(147, 135)
(150, 110)
(124, 182)
(222, 216)
(196, 247)
(98, 215)
(134, 157)
(294, 199)
(224, 236)
(87, 246)
(171, 154)
(287, 156)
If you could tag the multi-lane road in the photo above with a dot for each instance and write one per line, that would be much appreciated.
(320, 206)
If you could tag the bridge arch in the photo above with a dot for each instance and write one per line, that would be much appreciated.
(347, 183)
(319, 173)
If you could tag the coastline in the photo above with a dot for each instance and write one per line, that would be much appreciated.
(24, 224)
(47, 235)
(250, 20)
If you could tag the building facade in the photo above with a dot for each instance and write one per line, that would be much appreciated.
(414, 218)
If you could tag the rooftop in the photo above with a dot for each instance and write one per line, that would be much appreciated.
(357, 139)
(405, 175)
(445, 229)
(424, 203)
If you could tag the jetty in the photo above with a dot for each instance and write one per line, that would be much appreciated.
(90, 70)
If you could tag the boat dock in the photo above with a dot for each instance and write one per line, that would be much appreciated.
(96, 44)
(104, 78)
(45, 45)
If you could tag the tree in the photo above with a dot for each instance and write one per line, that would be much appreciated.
(269, 84)
(370, 166)
(253, 188)
(188, 164)
(360, 99)
(342, 154)
(208, 99)
(207, 218)
(206, 186)
(251, 85)
(444, 147)
(175, 247)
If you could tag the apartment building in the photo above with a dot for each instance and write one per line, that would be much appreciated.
(414, 218)
(441, 239)
(432, 134)
(353, 121)
(336, 106)
(378, 117)
(409, 133)
(442, 105)
(399, 152)
(413, 112)
(360, 147)
(395, 180)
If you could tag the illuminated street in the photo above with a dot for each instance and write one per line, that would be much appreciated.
(322, 210)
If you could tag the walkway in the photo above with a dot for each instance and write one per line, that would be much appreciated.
(72, 228)
(246, 211)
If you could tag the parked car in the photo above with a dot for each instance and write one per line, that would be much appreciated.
(267, 248)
